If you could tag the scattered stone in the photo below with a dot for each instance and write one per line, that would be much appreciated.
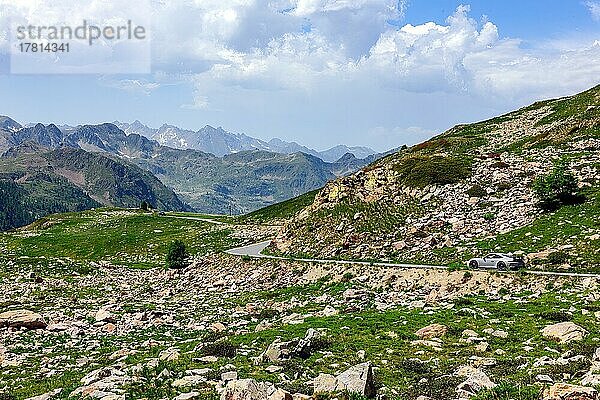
(476, 381)
(208, 359)
(47, 396)
(22, 319)
(357, 379)
(187, 396)
(189, 381)
(564, 332)
(432, 331)
(248, 389)
(564, 391)
(104, 315)
(229, 376)
(544, 379)
(170, 354)
(482, 347)
(218, 327)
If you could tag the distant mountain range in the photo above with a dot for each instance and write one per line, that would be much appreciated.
(220, 142)
(104, 165)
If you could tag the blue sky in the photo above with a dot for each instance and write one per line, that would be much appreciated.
(321, 72)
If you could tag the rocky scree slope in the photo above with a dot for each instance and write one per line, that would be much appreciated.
(464, 192)
(121, 333)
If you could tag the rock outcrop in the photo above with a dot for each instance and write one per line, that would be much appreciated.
(564, 332)
(563, 391)
(357, 379)
(22, 319)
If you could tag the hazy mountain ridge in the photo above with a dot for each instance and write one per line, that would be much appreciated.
(220, 142)
(238, 182)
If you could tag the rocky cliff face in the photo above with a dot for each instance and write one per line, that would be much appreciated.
(448, 194)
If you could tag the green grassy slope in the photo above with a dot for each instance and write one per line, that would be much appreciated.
(280, 211)
(123, 237)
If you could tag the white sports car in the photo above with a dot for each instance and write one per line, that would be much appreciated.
(499, 261)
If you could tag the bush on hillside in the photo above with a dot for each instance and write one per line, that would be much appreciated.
(177, 255)
(421, 171)
(558, 257)
(558, 188)
(476, 191)
(220, 348)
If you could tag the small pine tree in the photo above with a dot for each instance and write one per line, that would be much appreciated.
(557, 188)
(177, 255)
(144, 205)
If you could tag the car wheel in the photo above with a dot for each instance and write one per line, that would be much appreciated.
(473, 264)
(502, 266)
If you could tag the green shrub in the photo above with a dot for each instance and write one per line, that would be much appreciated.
(489, 216)
(414, 367)
(476, 191)
(558, 258)
(421, 171)
(574, 369)
(347, 277)
(144, 206)
(456, 266)
(557, 188)
(556, 316)
(502, 186)
(434, 386)
(267, 313)
(221, 348)
(177, 255)
(463, 302)
(500, 165)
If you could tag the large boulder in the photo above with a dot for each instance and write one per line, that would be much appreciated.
(22, 319)
(306, 346)
(170, 354)
(104, 315)
(249, 389)
(432, 331)
(357, 379)
(325, 383)
(564, 332)
(104, 383)
(279, 350)
(564, 391)
(476, 381)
